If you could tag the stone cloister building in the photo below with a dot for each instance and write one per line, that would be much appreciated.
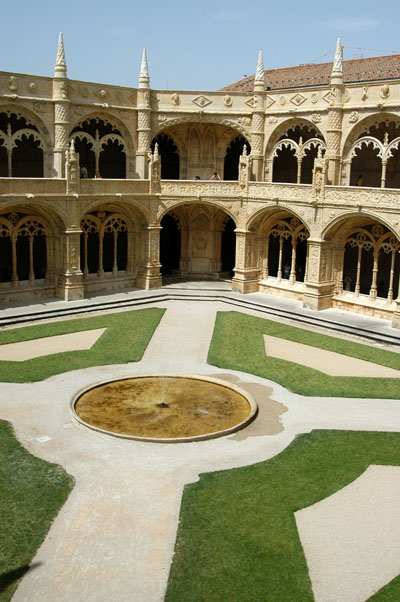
(307, 207)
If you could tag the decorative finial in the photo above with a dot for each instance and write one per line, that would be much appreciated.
(156, 149)
(61, 64)
(244, 150)
(338, 60)
(144, 77)
(259, 76)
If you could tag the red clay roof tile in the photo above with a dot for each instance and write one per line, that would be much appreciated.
(355, 70)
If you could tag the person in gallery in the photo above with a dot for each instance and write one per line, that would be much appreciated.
(360, 180)
(97, 176)
(347, 283)
(84, 172)
(215, 176)
(286, 270)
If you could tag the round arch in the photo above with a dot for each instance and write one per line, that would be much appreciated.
(198, 240)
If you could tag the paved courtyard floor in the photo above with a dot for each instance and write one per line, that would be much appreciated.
(114, 537)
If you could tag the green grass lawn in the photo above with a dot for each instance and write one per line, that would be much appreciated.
(237, 537)
(125, 340)
(238, 344)
(32, 493)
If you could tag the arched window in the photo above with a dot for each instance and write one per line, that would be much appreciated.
(374, 158)
(23, 248)
(287, 250)
(371, 263)
(101, 148)
(21, 147)
(294, 154)
(104, 244)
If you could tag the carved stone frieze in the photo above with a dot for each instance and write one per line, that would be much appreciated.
(203, 189)
(379, 196)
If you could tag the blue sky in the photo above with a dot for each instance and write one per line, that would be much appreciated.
(202, 45)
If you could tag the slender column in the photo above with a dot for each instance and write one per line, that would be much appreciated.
(31, 271)
(383, 178)
(14, 277)
(390, 291)
(292, 277)
(265, 262)
(9, 162)
(97, 161)
(115, 264)
(280, 258)
(373, 291)
(299, 162)
(340, 273)
(357, 287)
(130, 260)
(100, 271)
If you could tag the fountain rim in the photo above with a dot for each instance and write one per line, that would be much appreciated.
(203, 437)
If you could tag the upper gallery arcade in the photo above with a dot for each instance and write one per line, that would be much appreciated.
(105, 187)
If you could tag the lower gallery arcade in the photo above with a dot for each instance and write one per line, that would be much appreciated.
(353, 264)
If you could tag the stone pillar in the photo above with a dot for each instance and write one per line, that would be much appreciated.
(69, 279)
(144, 120)
(61, 111)
(335, 118)
(247, 274)
(258, 123)
(319, 282)
(149, 275)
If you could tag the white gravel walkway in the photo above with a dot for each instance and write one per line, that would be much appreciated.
(114, 538)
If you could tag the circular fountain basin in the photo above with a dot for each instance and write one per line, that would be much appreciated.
(166, 409)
